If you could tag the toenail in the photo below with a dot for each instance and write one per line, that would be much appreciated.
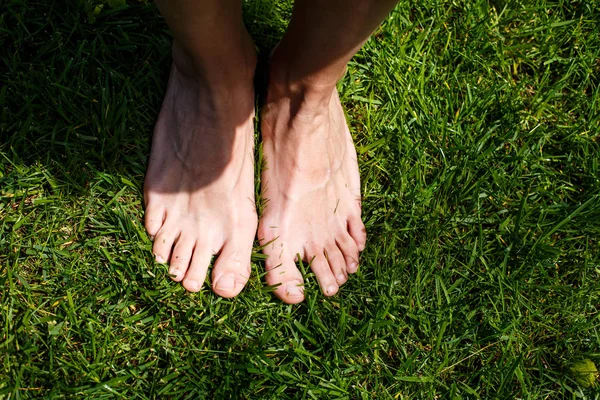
(331, 289)
(294, 289)
(151, 238)
(341, 278)
(159, 259)
(192, 285)
(353, 267)
(225, 282)
(173, 270)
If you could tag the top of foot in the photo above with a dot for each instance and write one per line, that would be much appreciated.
(199, 187)
(311, 187)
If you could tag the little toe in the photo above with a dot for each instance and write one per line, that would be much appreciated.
(181, 257)
(337, 264)
(163, 243)
(327, 281)
(357, 230)
(196, 273)
(153, 219)
(349, 249)
(232, 269)
(282, 271)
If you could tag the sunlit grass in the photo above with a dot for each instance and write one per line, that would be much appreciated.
(477, 126)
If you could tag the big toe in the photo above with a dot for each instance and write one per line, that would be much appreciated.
(282, 273)
(232, 269)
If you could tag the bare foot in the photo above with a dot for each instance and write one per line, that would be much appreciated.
(312, 190)
(199, 187)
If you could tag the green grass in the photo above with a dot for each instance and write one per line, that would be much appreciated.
(478, 131)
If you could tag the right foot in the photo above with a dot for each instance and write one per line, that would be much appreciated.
(199, 186)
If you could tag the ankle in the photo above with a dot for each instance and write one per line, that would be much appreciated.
(308, 96)
(237, 72)
(287, 80)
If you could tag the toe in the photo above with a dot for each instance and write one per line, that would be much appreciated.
(320, 267)
(196, 273)
(282, 271)
(181, 257)
(163, 243)
(357, 230)
(337, 264)
(232, 269)
(153, 219)
(349, 249)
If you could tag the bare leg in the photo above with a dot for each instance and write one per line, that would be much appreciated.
(199, 187)
(311, 179)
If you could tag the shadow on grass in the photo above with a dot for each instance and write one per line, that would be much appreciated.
(81, 98)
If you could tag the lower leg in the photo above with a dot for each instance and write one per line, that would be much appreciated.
(322, 37)
(311, 177)
(210, 39)
(199, 188)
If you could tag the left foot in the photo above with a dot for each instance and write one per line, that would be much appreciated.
(311, 187)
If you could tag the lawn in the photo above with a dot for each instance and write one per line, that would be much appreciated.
(477, 125)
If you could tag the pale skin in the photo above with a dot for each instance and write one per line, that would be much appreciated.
(199, 187)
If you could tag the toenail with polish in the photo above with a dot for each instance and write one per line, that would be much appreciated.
(294, 289)
(225, 282)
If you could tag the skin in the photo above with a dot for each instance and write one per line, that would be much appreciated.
(199, 187)
(199, 184)
(312, 185)
(311, 178)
